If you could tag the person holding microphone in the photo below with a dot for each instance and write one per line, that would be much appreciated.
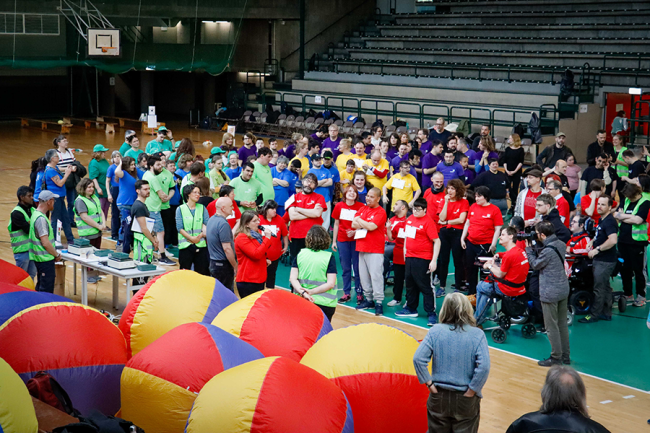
(251, 248)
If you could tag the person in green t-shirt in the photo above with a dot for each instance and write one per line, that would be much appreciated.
(162, 142)
(263, 173)
(248, 191)
(168, 215)
(126, 145)
(154, 202)
(97, 169)
(135, 150)
(217, 176)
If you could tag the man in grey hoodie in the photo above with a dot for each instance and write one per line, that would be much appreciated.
(553, 291)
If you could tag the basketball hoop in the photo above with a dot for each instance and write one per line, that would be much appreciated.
(109, 50)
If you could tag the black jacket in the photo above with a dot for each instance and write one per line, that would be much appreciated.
(563, 233)
(559, 422)
(594, 150)
(551, 154)
(76, 176)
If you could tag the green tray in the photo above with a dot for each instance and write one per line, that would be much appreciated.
(103, 253)
(146, 267)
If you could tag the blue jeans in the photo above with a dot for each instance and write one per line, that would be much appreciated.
(70, 196)
(115, 213)
(23, 262)
(349, 258)
(125, 230)
(484, 292)
(46, 276)
(61, 214)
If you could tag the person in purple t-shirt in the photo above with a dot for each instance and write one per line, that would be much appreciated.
(401, 156)
(470, 174)
(426, 145)
(449, 168)
(248, 149)
(461, 146)
(393, 147)
(429, 163)
(320, 134)
(366, 139)
(485, 153)
(332, 142)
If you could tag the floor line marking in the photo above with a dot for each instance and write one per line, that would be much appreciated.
(628, 396)
(606, 402)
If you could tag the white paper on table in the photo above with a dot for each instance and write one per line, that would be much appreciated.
(410, 232)
(289, 201)
(360, 233)
(348, 214)
(401, 234)
(135, 227)
(398, 183)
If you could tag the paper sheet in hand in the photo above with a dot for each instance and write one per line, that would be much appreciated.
(410, 232)
(274, 229)
(370, 172)
(231, 216)
(348, 214)
(289, 201)
(359, 162)
(398, 183)
(135, 227)
(401, 234)
(360, 233)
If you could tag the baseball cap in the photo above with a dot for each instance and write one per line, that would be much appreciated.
(316, 157)
(327, 154)
(217, 151)
(162, 129)
(560, 134)
(47, 195)
(99, 148)
(298, 184)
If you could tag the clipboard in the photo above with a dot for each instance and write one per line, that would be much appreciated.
(135, 227)
(360, 233)
(348, 214)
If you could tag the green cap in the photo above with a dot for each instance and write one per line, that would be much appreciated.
(216, 151)
(99, 148)
(162, 128)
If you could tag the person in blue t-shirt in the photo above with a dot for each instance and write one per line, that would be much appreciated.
(324, 177)
(55, 183)
(113, 188)
(450, 168)
(233, 170)
(328, 163)
(402, 155)
(284, 183)
(126, 174)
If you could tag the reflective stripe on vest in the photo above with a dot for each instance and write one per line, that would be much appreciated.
(143, 248)
(312, 272)
(19, 239)
(94, 212)
(621, 170)
(37, 251)
(192, 224)
(639, 231)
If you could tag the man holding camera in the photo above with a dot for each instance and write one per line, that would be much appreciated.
(553, 289)
(510, 275)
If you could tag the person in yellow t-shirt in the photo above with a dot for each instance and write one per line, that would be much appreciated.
(379, 169)
(347, 175)
(360, 150)
(344, 147)
(404, 185)
(302, 147)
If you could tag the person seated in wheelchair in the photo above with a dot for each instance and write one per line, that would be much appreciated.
(509, 278)
(580, 238)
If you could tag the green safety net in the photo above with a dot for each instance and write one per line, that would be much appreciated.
(142, 47)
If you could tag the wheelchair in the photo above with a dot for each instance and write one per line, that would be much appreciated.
(581, 285)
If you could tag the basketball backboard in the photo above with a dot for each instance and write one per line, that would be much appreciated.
(104, 42)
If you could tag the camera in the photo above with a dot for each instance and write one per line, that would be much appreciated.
(527, 236)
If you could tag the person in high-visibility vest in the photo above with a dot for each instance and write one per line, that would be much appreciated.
(191, 220)
(88, 213)
(144, 242)
(313, 271)
(19, 229)
(41, 237)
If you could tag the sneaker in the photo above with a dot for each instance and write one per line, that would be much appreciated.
(432, 320)
(365, 304)
(440, 292)
(344, 299)
(639, 302)
(436, 281)
(379, 309)
(605, 318)
(394, 302)
(405, 312)
(165, 261)
(566, 361)
(629, 298)
(549, 362)
(588, 319)
(359, 299)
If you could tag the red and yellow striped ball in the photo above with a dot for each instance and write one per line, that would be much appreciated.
(12, 274)
(373, 365)
(17, 413)
(160, 383)
(270, 395)
(77, 345)
(170, 300)
(12, 302)
(277, 322)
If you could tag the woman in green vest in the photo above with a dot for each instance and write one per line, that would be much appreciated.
(191, 219)
(313, 272)
(88, 213)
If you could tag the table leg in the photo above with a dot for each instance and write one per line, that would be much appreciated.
(116, 295)
(74, 277)
(84, 285)
(128, 290)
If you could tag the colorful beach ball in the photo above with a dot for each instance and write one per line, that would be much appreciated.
(12, 274)
(170, 300)
(12, 303)
(270, 395)
(17, 413)
(373, 365)
(277, 322)
(160, 383)
(9, 288)
(76, 344)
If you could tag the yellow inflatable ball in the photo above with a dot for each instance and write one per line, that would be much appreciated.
(17, 413)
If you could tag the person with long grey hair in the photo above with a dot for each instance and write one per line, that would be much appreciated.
(564, 406)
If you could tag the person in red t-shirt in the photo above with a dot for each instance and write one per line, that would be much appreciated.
(452, 213)
(480, 234)
(370, 224)
(251, 248)
(421, 249)
(527, 199)
(279, 242)
(233, 219)
(343, 242)
(435, 195)
(554, 188)
(588, 202)
(395, 229)
(577, 245)
(511, 275)
(305, 211)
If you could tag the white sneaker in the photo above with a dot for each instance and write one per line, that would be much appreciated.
(639, 302)
(436, 281)
(393, 303)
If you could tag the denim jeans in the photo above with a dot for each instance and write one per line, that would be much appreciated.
(484, 292)
(23, 262)
(349, 258)
(61, 214)
(70, 196)
(115, 214)
(125, 231)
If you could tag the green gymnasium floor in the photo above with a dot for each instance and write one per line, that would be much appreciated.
(617, 351)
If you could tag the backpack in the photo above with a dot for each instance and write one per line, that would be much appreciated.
(205, 123)
(519, 129)
(463, 127)
(46, 389)
(534, 128)
(378, 122)
(567, 83)
(399, 123)
(97, 422)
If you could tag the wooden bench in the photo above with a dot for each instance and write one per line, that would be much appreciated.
(143, 123)
(109, 126)
(50, 417)
(46, 125)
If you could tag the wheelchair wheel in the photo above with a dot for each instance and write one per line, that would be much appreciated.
(504, 322)
(528, 331)
(569, 315)
(520, 320)
(622, 304)
(581, 302)
(499, 335)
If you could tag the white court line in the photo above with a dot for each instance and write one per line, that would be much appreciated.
(501, 350)
(606, 402)
(628, 396)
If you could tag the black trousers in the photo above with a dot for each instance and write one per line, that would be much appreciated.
(271, 271)
(46, 273)
(419, 281)
(398, 271)
(450, 244)
(198, 257)
(115, 213)
(633, 263)
(169, 223)
(329, 311)
(223, 271)
(472, 253)
(295, 246)
(246, 289)
(513, 186)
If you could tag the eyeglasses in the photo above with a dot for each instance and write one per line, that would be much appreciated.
(418, 209)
